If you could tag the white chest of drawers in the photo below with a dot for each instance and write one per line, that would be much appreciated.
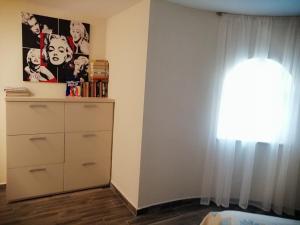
(57, 145)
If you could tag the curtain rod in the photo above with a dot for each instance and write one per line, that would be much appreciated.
(222, 13)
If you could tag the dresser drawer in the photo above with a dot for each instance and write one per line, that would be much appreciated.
(34, 181)
(82, 147)
(31, 150)
(86, 174)
(34, 117)
(88, 116)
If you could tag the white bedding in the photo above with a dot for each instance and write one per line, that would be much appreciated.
(242, 218)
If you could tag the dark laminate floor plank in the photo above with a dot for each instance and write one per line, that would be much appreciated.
(191, 219)
(97, 207)
(152, 217)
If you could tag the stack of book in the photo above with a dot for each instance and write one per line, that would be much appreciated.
(17, 91)
(99, 68)
(95, 88)
(99, 77)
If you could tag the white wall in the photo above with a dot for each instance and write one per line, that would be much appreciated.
(180, 67)
(11, 56)
(126, 49)
(181, 57)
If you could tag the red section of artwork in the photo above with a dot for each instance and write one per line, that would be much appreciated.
(71, 43)
(53, 80)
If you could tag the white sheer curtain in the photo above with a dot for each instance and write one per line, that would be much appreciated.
(262, 172)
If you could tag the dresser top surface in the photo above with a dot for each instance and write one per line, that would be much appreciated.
(65, 99)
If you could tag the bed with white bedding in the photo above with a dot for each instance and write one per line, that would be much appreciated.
(242, 218)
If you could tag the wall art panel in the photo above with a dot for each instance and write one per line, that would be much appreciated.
(54, 50)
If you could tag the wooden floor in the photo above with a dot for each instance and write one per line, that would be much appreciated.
(96, 207)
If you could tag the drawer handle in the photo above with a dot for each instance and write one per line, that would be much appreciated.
(90, 106)
(88, 164)
(37, 170)
(37, 138)
(89, 135)
(38, 106)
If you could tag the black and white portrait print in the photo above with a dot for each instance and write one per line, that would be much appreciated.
(33, 70)
(33, 26)
(76, 71)
(81, 64)
(78, 35)
(54, 50)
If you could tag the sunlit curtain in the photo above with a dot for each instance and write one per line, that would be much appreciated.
(253, 151)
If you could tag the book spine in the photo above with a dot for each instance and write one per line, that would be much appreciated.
(86, 84)
(91, 93)
(97, 89)
(82, 89)
(103, 89)
(94, 87)
(100, 89)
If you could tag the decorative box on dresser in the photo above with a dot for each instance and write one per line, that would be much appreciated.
(57, 145)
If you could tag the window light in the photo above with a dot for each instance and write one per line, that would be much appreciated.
(254, 101)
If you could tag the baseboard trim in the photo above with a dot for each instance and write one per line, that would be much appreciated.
(170, 204)
(2, 186)
(131, 208)
(182, 202)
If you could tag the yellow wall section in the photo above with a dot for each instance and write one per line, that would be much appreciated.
(11, 73)
(127, 38)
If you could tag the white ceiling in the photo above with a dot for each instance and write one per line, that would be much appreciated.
(94, 8)
(249, 7)
(107, 8)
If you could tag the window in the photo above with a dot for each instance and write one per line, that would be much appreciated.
(254, 101)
